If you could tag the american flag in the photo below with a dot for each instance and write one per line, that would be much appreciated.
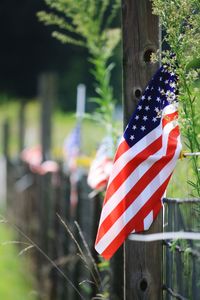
(143, 164)
(101, 166)
(72, 146)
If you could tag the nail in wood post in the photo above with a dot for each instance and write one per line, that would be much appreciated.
(143, 261)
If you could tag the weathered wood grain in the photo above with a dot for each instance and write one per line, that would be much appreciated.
(143, 262)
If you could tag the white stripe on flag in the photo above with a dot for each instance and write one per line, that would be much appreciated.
(148, 220)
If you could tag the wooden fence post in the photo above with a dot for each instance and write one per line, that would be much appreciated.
(6, 139)
(6, 153)
(47, 94)
(143, 261)
(83, 210)
(21, 126)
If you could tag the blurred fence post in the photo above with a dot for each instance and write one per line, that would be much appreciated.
(6, 153)
(84, 219)
(47, 89)
(64, 241)
(6, 139)
(141, 35)
(97, 206)
(21, 126)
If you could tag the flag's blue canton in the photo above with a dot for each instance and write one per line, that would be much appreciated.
(160, 92)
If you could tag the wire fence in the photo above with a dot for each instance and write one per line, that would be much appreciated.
(181, 257)
(34, 202)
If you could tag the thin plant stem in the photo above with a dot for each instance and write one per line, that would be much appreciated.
(16, 228)
(81, 253)
(73, 238)
(89, 253)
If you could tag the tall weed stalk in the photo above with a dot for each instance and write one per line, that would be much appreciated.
(180, 21)
(87, 23)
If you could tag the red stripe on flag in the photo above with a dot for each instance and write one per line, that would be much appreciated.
(169, 118)
(123, 147)
(101, 184)
(130, 167)
(132, 224)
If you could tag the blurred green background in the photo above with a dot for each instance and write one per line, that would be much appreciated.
(27, 49)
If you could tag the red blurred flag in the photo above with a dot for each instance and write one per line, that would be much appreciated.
(101, 166)
(33, 157)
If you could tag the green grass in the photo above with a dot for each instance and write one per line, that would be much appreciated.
(178, 187)
(15, 277)
(16, 282)
(62, 124)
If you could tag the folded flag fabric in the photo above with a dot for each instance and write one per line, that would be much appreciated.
(48, 166)
(101, 166)
(33, 157)
(143, 164)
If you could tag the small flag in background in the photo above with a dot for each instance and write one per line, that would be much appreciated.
(72, 147)
(101, 166)
(143, 164)
(33, 157)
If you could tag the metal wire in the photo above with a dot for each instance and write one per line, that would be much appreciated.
(192, 252)
(169, 235)
(181, 201)
(173, 294)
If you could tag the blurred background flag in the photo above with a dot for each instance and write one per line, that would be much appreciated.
(72, 145)
(33, 157)
(143, 164)
(101, 166)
